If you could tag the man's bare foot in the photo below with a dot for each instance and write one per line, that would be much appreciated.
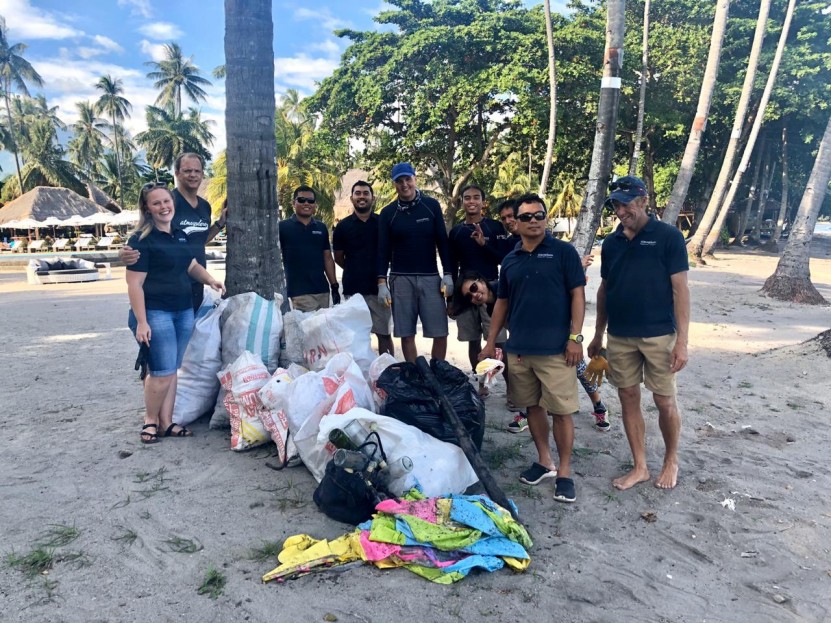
(668, 476)
(631, 479)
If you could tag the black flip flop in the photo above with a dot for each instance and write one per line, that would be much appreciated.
(183, 432)
(148, 437)
(564, 490)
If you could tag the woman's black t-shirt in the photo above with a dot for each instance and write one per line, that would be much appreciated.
(165, 258)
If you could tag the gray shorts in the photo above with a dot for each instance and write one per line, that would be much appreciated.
(417, 297)
(310, 302)
(381, 314)
(475, 323)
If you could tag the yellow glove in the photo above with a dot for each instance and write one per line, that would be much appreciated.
(594, 371)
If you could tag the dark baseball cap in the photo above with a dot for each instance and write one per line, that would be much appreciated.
(626, 188)
(402, 168)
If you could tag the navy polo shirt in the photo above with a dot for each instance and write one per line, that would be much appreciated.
(359, 242)
(507, 243)
(165, 258)
(538, 287)
(195, 222)
(302, 247)
(637, 274)
(466, 254)
(408, 238)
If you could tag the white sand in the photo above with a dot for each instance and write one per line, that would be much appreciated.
(72, 406)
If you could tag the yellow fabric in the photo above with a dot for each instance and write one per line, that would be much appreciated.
(301, 553)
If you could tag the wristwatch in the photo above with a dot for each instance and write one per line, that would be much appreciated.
(576, 337)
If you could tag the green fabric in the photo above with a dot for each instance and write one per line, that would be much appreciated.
(508, 526)
(447, 537)
(383, 530)
(435, 575)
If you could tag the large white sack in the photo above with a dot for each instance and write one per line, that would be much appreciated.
(339, 388)
(343, 328)
(381, 363)
(275, 398)
(438, 467)
(249, 323)
(292, 342)
(197, 383)
(242, 381)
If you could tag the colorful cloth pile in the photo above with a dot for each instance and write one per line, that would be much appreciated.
(439, 538)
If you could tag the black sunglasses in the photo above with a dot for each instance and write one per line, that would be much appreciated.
(302, 200)
(473, 289)
(527, 217)
(152, 185)
(624, 186)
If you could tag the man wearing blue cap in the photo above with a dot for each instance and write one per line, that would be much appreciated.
(410, 231)
(645, 300)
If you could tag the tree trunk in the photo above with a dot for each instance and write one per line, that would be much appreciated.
(773, 243)
(754, 133)
(759, 212)
(636, 151)
(6, 87)
(751, 195)
(792, 279)
(254, 263)
(118, 162)
(552, 113)
(695, 245)
(649, 172)
(604, 137)
(705, 98)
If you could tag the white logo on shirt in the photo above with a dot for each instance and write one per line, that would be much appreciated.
(423, 220)
(315, 231)
(648, 243)
(545, 256)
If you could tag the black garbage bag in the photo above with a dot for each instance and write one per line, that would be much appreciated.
(410, 400)
(345, 495)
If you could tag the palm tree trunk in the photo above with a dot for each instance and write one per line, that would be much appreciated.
(712, 236)
(14, 139)
(773, 243)
(792, 279)
(744, 217)
(636, 151)
(703, 228)
(552, 87)
(254, 263)
(761, 207)
(118, 162)
(604, 138)
(705, 98)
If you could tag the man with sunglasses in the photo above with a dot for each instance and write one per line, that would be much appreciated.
(645, 300)
(307, 255)
(410, 232)
(474, 248)
(192, 215)
(542, 297)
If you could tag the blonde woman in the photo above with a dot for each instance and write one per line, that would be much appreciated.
(161, 312)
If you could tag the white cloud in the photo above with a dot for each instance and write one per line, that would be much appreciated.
(323, 17)
(302, 71)
(107, 43)
(153, 50)
(104, 45)
(161, 31)
(138, 7)
(27, 22)
(329, 47)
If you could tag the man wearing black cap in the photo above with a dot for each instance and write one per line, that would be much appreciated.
(410, 231)
(645, 300)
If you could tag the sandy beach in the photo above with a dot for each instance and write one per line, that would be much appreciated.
(744, 536)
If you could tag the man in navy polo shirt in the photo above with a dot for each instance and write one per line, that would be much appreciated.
(645, 300)
(542, 297)
(474, 246)
(355, 243)
(307, 256)
(410, 231)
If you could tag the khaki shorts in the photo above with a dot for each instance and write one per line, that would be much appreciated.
(633, 360)
(310, 302)
(475, 323)
(381, 314)
(544, 380)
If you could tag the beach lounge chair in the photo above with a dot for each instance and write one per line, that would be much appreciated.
(36, 246)
(18, 246)
(61, 244)
(85, 243)
(108, 243)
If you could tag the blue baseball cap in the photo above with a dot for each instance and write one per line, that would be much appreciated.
(626, 188)
(402, 168)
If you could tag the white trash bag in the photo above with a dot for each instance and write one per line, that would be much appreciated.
(381, 363)
(343, 328)
(292, 346)
(242, 381)
(275, 396)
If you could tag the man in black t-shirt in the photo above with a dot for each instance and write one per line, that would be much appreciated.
(307, 255)
(355, 243)
(192, 215)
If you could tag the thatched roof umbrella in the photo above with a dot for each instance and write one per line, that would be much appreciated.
(44, 201)
(102, 199)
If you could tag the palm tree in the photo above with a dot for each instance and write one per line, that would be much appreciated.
(217, 190)
(552, 112)
(15, 71)
(169, 134)
(792, 279)
(175, 73)
(705, 98)
(86, 147)
(512, 179)
(636, 152)
(604, 139)
(45, 163)
(113, 103)
(254, 263)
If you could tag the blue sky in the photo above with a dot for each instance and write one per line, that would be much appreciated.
(74, 42)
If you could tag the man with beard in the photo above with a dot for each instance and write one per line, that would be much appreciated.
(355, 243)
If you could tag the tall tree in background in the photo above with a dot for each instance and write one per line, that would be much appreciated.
(713, 235)
(254, 263)
(695, 245)
(169, 134)
(636, 152)
(552, 113)
(15, 72)
(705, 98)
(113, 103)
(792, 279)
(86, 147)
(174, 74)
(604, 137)
(773, 243)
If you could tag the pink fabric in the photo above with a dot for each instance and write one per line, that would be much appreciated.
(377, 551)
(423, 509)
